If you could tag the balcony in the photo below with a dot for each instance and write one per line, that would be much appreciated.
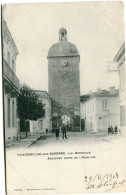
(10, 76)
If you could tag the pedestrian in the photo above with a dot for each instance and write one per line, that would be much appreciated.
(109, 129)
(57, 133)
(46, 131)
(116, 129)
(112, 131)
(64, 131)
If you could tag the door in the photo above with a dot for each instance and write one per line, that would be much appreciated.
(82, 125)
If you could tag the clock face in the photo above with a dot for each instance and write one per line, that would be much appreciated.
(63, 62)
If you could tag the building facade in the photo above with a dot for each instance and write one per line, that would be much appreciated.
(64, 80)
(101, 110)
(44, 123)
(11, 85)
(120, 60)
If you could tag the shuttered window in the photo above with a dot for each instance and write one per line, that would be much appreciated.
(104, 104)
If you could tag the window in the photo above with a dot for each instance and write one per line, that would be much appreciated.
(13, 114)
(104, 104)
(8, 58)
(122, 116)
(8, 112)
(90, 107)
(45, 110)
(122, 77)
(84, 109)
(87, 108)
(13, 65)
(93, 105)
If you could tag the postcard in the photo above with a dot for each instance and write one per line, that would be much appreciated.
(64, 94)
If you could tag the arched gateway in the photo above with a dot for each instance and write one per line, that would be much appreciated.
(64, 80)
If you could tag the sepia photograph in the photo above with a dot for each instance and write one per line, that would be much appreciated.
(64, 97)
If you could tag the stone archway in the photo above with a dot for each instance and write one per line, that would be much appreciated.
(58, 113)
(66, 120)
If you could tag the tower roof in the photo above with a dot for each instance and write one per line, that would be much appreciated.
(63, 47)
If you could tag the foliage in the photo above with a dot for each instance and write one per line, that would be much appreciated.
(29, 106)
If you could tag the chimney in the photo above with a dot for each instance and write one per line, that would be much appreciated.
(112, 90)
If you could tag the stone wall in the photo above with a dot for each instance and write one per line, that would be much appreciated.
(64, 85)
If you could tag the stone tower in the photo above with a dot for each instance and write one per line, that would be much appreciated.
(64, 80)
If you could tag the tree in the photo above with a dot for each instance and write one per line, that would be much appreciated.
(29, 106)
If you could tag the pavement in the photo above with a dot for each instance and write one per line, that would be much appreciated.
(24, 142)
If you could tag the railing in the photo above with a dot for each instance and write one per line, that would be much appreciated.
(8, 72)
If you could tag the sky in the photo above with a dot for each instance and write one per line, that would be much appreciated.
(96, 28)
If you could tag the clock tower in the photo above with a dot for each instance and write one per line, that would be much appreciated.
(64, 80)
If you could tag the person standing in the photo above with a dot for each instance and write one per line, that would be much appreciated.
(109, 129)
(64, 131)
(112, 131)
(116, 130)
(57, 133)
(46, 131)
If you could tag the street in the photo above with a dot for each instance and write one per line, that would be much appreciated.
(72, 158)
(74, 138)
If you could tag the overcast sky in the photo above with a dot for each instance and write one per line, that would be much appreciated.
(96, 28)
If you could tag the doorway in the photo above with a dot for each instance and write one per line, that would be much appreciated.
(66, 121)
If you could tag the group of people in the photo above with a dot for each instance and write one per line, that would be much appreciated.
(112, 130)
(63, 129)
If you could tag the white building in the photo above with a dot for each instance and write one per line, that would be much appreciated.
(44, 123)
(101, 110)
(120, 60)
(11, 85)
